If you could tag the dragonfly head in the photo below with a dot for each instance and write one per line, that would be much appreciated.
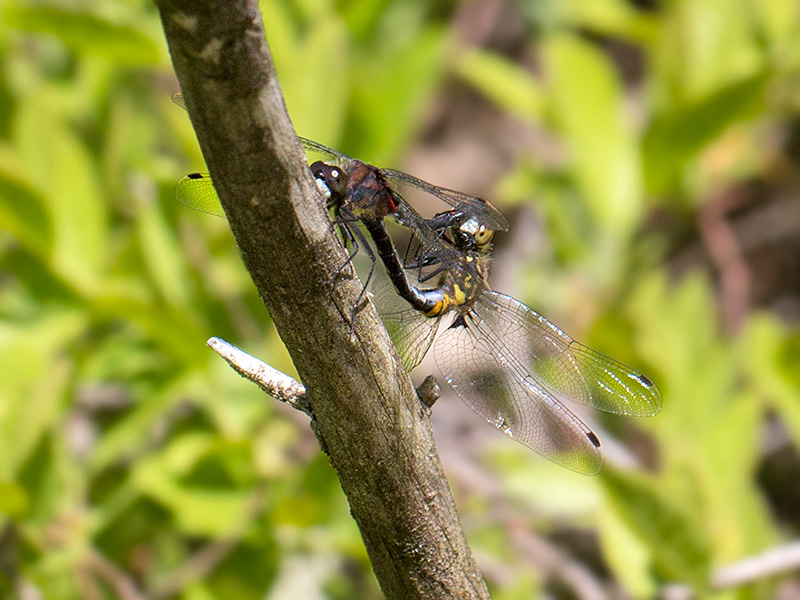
(331, 178)
(470, 235)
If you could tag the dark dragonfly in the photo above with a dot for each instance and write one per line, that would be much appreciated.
(360, 192)
(507, 362)
(371, 194)
(197, 191)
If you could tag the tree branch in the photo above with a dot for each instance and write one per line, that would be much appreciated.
(366, 412)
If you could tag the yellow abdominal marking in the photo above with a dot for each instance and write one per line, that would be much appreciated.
(437, 309)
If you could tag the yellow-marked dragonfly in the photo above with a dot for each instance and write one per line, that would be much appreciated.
(506, 361)
(514, 367)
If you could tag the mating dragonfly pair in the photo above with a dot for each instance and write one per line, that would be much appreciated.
(507, 362)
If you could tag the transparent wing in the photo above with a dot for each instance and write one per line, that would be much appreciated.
(179, 100)
(480, 368)
(412, 332)
(196, 190)
(341, 159)
(473, 206)
(565, 367)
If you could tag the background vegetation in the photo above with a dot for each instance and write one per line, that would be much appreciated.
(647, 155)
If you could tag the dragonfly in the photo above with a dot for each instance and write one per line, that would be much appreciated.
(515, 368)
(506, 361)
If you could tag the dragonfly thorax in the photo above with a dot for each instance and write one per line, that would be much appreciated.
(368, 192)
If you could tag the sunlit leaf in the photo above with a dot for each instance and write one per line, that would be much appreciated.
(163, 256)
(14, 501)
(678, 136)
(777, 21)
(586, 98)
(316, 94)
(679, 549)
(610, 18)
(196, 510)
(504, 82)
(703, 47)
(35, 378)
(389, 92)
(59, 164)
(23, 212)
(628, 555)
(86, 33)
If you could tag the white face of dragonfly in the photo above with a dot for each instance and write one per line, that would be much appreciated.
(331, 181)
(477, 231)
(471, 235)
(323, 188)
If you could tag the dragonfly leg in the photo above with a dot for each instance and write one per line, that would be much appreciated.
(347, 223)
(359, 236)
(349, 241)
(418, 260)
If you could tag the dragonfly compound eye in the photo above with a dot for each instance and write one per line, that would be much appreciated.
(472, 235)
(483, 237)
(334, 178)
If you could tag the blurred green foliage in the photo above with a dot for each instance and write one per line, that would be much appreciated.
(130, 456)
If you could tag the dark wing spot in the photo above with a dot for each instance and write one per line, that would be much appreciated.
(645, 380)
(593, 438)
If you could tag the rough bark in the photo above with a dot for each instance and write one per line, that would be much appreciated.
(367, 415)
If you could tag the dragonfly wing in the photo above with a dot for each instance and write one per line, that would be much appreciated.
(477, 207)
(406, 216)
(313, 146)
(196, 190)
(431, 247)
(179, 100)
(478, 365)
(412, 332)
(566, 368)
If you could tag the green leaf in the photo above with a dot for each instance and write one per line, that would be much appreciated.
(128, 435)
(770, 358)
(587, 102)
(628, 556)
(679, 549)
(703, 47)
(777, 21)
(14, 500)
(317, 93)
(85, 33)
(59, 164)
(22, 211)
(163, 256)
(679, 135)
(505, 83)
(35, 379)
(197, 510)
(389, 92)
(610, 18)
(177, 333)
